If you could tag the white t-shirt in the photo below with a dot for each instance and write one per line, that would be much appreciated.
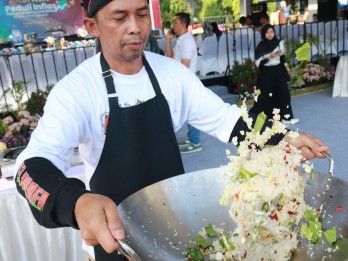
(75, 109)
(186, 48)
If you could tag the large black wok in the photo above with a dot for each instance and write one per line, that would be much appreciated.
(161, 220)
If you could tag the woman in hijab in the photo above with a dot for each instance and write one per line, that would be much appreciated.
(273, 77)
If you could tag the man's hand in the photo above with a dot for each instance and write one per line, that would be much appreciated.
(99, 222)
(310, 146)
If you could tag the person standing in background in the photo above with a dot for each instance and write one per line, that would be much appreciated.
(249, 21)
(272, 78)
(185, 51)
(216, 30)
(315, 18)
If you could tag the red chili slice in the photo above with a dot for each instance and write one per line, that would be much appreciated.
(339, 208)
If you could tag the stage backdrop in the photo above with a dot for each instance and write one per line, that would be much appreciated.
(44, 17)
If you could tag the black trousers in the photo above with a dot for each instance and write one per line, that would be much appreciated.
(274, 92)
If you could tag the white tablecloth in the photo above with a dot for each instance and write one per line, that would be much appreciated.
(340, 88)
(22, 239)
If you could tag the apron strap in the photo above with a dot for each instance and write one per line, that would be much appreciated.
(109, 82)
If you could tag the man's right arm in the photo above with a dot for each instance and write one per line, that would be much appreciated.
(50, 194)
(169, 50)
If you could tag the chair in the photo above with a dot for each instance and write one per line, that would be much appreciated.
(163, 41)
(316, 29)
(243, 48)
(255, 40)
(207, 61)
(225, 42)
(45, 69)
(292, 31)
(22, 69)
(342, 37)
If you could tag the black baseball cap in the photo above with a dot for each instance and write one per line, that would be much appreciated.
(92, 6)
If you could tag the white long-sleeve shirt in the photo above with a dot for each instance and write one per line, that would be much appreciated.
(75, 111)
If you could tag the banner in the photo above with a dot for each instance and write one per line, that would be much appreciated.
(40, 17)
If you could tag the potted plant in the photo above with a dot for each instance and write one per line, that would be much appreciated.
(244, 77)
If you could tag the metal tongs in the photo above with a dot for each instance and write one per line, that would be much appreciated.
(127, 251)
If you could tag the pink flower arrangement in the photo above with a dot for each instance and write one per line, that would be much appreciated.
(315, 73)
(17, 133)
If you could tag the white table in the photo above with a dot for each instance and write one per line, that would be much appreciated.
(22, 239)
(340, 88)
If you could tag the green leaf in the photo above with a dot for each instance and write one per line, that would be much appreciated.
(210, 231)
(305, 231)
(202, 242)
(330, 235)
(315, 228)
(309, 215)
(194, 253)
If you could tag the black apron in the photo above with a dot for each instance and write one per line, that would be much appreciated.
(140, 147)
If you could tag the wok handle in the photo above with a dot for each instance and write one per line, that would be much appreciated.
(127, 251)
(331, 167)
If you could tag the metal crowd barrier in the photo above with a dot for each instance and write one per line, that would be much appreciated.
(38, 70)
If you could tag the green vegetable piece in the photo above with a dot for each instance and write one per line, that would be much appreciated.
(265, 206)
(291, 224)
(195, 254)
(260, 121)
(315, 228)
(330, 235)
(202, 242)
(246, 175)
(305, 231)
(311, 174)
(281, 200)
(226, 244)
(309, 215)
(210, 231)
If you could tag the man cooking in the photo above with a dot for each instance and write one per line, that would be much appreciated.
(121, 108)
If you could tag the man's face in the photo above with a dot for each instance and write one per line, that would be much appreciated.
(178, 25)
(123, 28)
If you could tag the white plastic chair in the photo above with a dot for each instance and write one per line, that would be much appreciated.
(243, 48)
(316, 29)
(292, 31)
(223, 55)
(17, 62)
(342, 40)
(207, 61)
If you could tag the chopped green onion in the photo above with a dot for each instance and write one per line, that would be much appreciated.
(246, 175)
(260, 121)
(226, 244)
(195, 254)
(281, 200)
(202, 242)
(210, 231)
(265, 206)
(311, 174)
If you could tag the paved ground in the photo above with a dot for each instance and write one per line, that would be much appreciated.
(320, 115)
